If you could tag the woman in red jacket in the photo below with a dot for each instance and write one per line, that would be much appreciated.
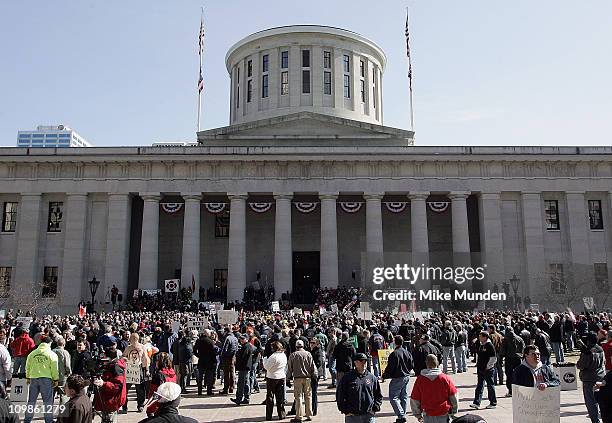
(164, 372)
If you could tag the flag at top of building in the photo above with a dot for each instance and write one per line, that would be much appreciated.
(201, 52)
(407, 32)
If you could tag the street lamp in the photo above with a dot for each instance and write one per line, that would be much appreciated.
(93, 288)
(515, 282)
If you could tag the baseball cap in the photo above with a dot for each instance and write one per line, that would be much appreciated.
(299, 343)
(168, 392)
(360, 357)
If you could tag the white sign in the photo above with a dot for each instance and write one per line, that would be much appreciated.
(198, 323)
(25, 322)
(172, 285)
(334, 308)
(132, 373)
(530, 405)
(150, 291)
(227, 317)
(175, 326)
(589, 304)
(297, 311)
(535, 307)
(19, 390)
(567, 376)
(275, 306)
(322, 309)
(2, 314)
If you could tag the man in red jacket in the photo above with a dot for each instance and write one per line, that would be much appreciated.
(434, 395)
(21, 346)
(110, 391)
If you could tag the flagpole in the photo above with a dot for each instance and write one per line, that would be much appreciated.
(409, 72)
(201, 53)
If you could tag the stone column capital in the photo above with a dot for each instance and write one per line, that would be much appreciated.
(418, 195)
(149, 196)
(237, 196)
(283, 196)
(458, 195)
(490, 195)
(192, 196)
(328, 196)
(373, 196)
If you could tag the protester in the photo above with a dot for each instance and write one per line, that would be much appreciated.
(78, 408)
(399, 366)
(275, 366)
(64, 368)
(603, 396)
(343, 356)
(318, 356)
(434, 396)
(164, 373)
(485, 366)
(20, 348)
(301, 369)
(607, 348)
(461, 348)
(136, 355)
(5, 367)
(447, 339)
(42, 371)
(422, 351)
(7, 415)
(244, 363)
(168, 397)
(591, 366)
(228, 362)
(532, 372)
(204, 350)
(358, 395)
(110, 393)
(511, 354)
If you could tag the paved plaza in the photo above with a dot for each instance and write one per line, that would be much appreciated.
(219, 409)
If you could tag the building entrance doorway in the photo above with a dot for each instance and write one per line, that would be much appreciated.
(306, 273)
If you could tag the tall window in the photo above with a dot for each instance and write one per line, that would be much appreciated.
(264, 63)
(9, 217)
(5, 282)
(249, 68)
(558, 285)
(222, 224)
(305, 58)
(347, 63)
(284, 59)
(264, 86)
(363, 94)
(327, 59)
(249, 90)
(220, 278)
(237, 88)
(54, 221)
(374, 87)
(327, 83)
(601, 277)
(595, 217)
(305, 82)
(362, 68)
(347, 86)
(551, 210)
(284, 83)
(49, 288)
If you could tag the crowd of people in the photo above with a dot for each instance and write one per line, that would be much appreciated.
(70, 359)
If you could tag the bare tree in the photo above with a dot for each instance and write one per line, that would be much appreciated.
(29, 299)
(567, 288)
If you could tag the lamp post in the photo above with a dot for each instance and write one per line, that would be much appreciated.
(93, 288)
(515, 282)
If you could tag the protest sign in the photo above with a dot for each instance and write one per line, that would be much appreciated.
(175, 326)
(25, 322)
(19, 390)
(275, 306)
(297, 311)
(227, 317)
(132, 373)
(383, 358)
(334, 308)
(172, 285)
(198, 323)
(2, 314)
(589, 303)
(322, 309)
(530, 405)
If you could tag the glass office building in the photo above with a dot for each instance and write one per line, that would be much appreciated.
(51, 136)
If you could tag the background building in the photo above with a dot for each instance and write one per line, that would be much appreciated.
(301, 190)
(51, 136)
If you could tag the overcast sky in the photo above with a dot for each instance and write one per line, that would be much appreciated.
(486, 72)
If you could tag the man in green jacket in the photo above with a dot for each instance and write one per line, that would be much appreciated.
(43, 374)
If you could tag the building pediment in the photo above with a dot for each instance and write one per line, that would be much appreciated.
(306, 128)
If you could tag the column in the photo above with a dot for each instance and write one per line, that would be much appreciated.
(374, 234)
(329, 241)
(338, 78)
(461, 234)
(283, 250)
(118, 242)
(533, 234)
(190, 266)
(149, 248)
(295, 76)
(492, 248)
(73, 265)
(578, 234)
(29, 227)
(608, 228)
(236, 259)
(418, 225)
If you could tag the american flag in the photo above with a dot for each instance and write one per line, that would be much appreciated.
(201, 36)
(200, 82)
(408, 51)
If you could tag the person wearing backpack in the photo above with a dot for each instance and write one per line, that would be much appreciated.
(511, 354)
(377, 342)
(542, 341)
(447, 339)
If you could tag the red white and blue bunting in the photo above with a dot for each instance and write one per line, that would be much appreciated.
(171, 208)
(396, 206)
(351, 207)
(438, 206)
(305, 207)
(215, 208)
(260, 207)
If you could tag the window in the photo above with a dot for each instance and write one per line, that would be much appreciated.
(249, 68)
(347, 63)
(327, 59)
(347, 86)
(551, 209)
(362, 68)
(305, 58)
(5, 282)
(595, 217)
(49, 288)
(249, 90)
(558, 285)
(284, 59)
(264, 86)
(237, 97)
(362, 91)
(305, 82)
(9, 217)
(264, 63)
(220, 278)
(327, 85)
(222, 224)
(237, 76)
(54, 222)
(601, 277)
(64, 136)
(284, 83)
